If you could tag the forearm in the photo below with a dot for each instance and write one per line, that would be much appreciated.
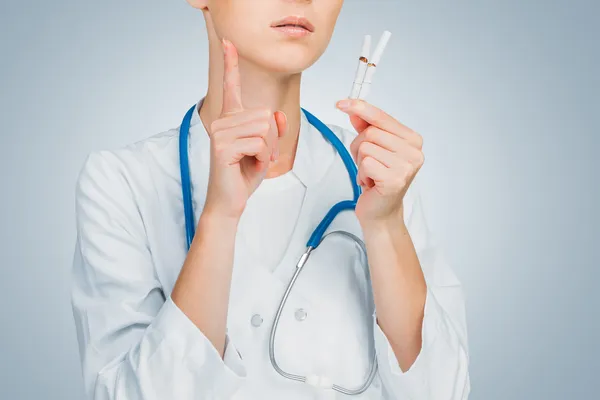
(202, 288)
(399, 287)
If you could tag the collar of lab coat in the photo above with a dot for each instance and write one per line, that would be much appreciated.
(314, 153)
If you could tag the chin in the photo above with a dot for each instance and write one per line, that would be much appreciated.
(289, 61)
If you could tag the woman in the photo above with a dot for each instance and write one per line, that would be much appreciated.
(155, 321)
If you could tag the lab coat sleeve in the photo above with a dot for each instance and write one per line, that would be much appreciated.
(134, 343)
(440, 371)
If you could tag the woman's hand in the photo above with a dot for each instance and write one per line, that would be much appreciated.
(243, 142)
(388, 155)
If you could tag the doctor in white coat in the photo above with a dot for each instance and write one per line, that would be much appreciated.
(155, 321)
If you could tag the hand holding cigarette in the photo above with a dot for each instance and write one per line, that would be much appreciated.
(388, 154)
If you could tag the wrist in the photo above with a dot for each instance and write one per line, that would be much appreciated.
(213, 212)
(391, 222)
(215, 221)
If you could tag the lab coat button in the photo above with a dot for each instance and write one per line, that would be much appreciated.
(256, 320)
(300, 314)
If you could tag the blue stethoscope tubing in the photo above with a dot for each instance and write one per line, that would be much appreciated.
(313, 242)
(317, 235)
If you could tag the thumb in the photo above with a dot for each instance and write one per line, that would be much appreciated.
(281, 120)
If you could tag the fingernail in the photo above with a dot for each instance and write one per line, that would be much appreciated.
(287, 127)
(343, 104)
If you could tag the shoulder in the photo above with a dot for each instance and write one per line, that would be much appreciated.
(124, 173)
(131, 159)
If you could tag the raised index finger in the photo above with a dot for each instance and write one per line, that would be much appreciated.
(232, 88)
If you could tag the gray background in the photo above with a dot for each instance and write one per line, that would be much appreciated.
(505, 94)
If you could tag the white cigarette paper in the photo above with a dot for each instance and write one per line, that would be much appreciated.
(361, 69)
(372, 66)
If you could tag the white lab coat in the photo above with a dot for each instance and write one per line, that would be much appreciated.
(135, 343)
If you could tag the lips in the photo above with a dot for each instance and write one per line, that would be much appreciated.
(294, 21)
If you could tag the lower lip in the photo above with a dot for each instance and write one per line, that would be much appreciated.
(293, 31)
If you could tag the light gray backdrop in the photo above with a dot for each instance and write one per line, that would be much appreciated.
(505, 94)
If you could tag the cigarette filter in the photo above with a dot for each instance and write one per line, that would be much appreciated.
(372, 65)
(361, 69)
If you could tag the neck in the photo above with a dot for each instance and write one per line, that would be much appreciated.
(260, 88)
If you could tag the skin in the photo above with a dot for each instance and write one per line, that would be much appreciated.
(252, 115)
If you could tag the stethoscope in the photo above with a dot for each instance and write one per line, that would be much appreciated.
(315, 240)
